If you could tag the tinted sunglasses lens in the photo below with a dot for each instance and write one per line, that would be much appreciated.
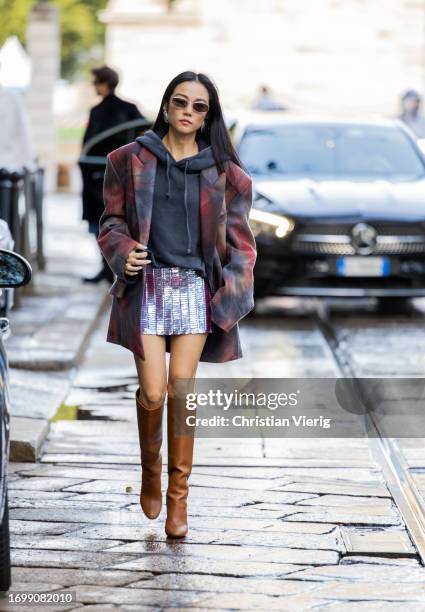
(179, 102)
(200, 107)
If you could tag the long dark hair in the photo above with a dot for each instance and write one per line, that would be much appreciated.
(215, 132)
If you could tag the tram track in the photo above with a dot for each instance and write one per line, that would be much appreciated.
(385, 450)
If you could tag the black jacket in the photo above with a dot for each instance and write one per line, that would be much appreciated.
(110, 112)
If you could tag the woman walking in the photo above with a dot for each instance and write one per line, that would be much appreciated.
(175, 231)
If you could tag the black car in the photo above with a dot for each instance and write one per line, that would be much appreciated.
(15, 271)
(339, 206)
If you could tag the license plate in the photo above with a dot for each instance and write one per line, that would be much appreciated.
(362, 266)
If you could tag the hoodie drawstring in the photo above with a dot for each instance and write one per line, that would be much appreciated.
(168, 174)
(189, 249)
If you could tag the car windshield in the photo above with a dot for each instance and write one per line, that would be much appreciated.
(330, 150)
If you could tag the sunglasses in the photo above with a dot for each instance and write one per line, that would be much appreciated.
(198, 107)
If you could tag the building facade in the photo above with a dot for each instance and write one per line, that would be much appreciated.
(351, 55)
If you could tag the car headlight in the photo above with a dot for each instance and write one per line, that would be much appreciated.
(262, 221)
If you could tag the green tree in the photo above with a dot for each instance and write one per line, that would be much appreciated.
(81, 30)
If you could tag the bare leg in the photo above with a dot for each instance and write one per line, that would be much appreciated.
(185, 351)
(152, 371)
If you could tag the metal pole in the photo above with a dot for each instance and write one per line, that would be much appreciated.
(38, 203)
(25, 223)
(5, 195)
(15, 222)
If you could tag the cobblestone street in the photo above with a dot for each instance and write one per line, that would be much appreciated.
(268, 164)
(292, 524)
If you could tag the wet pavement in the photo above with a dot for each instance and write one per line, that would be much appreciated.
(52, 325)
(293, 524)
(391, 347)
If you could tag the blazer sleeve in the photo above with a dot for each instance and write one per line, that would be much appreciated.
(235, 299)
(114, 237)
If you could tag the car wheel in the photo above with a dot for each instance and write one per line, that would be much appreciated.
(393, 305)
(5, 575)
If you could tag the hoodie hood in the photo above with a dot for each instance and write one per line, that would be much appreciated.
(195, 163)
(188, 165)
(203, 159)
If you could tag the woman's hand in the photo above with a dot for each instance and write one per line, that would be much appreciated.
(136, 260)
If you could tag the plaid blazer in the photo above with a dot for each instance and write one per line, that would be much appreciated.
(227, 242)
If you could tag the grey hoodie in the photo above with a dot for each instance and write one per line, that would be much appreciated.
(174, 238)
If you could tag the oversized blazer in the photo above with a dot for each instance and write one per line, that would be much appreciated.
(227, 243)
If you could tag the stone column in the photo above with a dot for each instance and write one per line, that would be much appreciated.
(43, 45)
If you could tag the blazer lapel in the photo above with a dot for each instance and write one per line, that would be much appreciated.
(143, 168)
(212, 189)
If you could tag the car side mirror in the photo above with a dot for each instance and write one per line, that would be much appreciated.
(15, 271)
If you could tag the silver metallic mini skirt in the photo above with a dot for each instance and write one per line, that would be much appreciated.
(175, 301)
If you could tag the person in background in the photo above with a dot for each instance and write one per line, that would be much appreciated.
(266, 102)
(411, 115)
(110, 112)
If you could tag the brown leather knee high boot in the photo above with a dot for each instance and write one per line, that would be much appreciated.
(150, 438)
(180, 458)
